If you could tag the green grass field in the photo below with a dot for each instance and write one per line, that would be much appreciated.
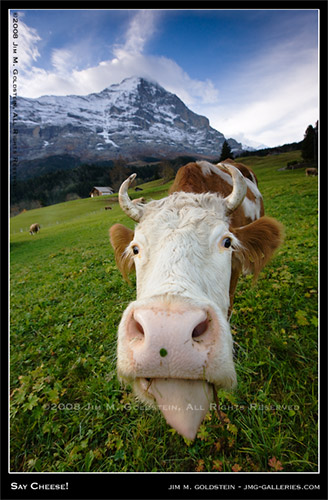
(68, 411)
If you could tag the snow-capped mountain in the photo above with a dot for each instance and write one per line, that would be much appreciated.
(253, 146)
(136, 117)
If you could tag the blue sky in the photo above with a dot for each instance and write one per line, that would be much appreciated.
(253, 73)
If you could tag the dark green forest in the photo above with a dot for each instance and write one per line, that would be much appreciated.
(69, 184)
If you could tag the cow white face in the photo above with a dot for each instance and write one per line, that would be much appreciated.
(182, 248)
(174, 340)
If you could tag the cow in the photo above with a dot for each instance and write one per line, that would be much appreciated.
(188, 250)
(34, 228)
(108, 208)
(311, 171)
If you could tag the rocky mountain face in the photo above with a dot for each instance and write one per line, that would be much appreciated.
(131, 119)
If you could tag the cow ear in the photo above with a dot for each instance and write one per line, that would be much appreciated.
(258, 240)
(120, 237)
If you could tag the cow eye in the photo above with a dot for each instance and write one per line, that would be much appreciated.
(135, 249)
(226, 242)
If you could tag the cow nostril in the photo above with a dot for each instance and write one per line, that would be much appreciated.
(139, 328)
(200, 329)
(135, 330)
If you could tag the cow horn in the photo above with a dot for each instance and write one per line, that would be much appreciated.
(239, 188)
(133, 210)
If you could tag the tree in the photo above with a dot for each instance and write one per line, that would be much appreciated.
(316, 144)
(166, 171)
(310, 144)
(118, 173)
(226, 152)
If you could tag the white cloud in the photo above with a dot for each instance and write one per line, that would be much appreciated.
(27, 47)
(62, 61)
(139, 32)
(278, 102)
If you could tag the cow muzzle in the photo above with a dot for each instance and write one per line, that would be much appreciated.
(169, 351)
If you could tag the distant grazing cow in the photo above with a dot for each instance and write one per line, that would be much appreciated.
(188, 250)
(34, 228)
(108, 208)
(311, 171)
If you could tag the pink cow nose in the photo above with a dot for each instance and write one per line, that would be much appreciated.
(170, 342)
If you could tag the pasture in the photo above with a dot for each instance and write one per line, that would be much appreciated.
(68, 410)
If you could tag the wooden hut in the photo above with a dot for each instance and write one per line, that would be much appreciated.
(101, 191)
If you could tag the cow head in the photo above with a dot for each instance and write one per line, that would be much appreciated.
(174, 341)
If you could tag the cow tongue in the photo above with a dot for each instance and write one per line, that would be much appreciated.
(184, 403)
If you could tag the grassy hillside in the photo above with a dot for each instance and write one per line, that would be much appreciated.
(68, 411)
(77, 209)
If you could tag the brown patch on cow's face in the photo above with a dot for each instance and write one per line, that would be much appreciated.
(259, 241)
(120, 237)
